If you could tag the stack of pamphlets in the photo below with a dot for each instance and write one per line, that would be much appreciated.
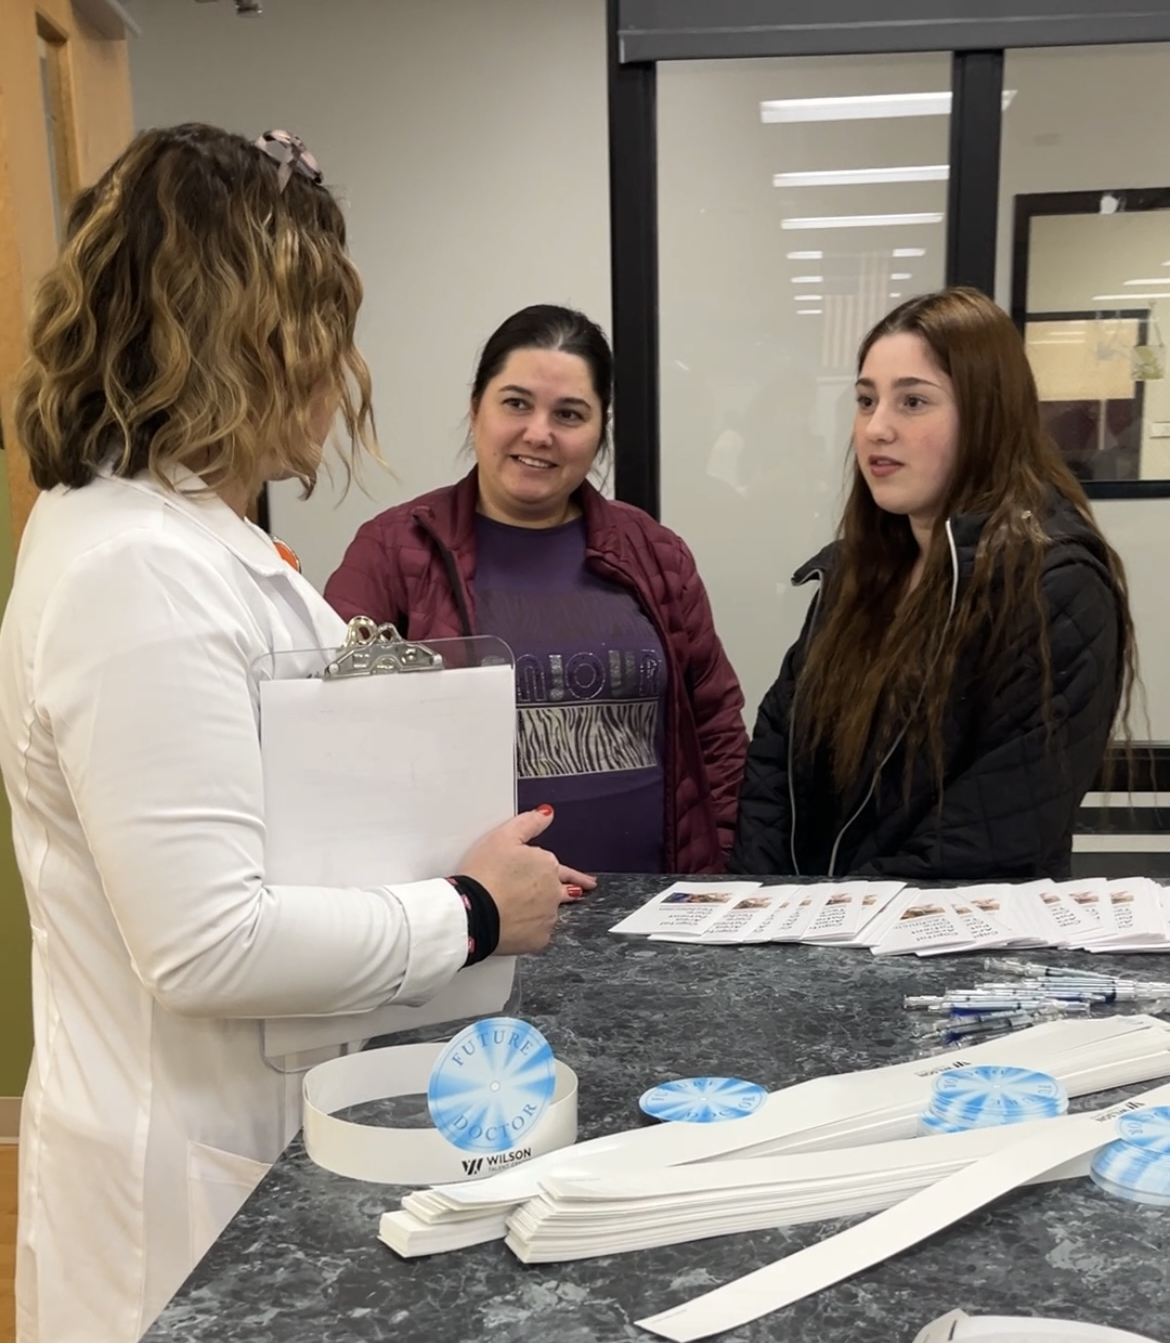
(891, 919)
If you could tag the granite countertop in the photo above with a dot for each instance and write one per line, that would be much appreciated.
(301, 1261)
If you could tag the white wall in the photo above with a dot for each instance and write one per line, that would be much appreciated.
(468, 139)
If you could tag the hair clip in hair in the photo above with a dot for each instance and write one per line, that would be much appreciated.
(291, 154)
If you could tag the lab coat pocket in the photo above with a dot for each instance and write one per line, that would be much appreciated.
(218, 1182)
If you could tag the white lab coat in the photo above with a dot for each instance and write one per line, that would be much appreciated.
(130, 749)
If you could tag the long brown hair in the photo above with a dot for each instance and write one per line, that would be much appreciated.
(882, 660)
(198, 312)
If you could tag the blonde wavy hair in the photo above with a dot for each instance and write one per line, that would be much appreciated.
(199, 315)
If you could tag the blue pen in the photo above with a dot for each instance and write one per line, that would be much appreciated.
(991, 1021)
(978, 1003)
(1107, 990)
(965, 1007)
(1054, 988)
(1034, 969)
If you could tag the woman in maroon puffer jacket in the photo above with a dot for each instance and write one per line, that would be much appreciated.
(629, 711)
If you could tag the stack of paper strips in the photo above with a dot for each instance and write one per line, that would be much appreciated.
(1037, 1151)
(958, 1327)
(894, 920)
(821, 1114)
(578, 1218)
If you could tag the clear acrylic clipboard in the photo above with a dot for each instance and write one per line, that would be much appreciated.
(384, 761)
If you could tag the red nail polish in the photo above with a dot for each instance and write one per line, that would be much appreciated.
(545, 809)
(574, 892)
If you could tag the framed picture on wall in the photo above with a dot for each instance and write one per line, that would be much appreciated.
(1091, 404)
(1091, 297)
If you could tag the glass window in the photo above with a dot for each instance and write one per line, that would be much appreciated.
(799, 200)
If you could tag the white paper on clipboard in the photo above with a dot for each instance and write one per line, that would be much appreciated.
(382, 776)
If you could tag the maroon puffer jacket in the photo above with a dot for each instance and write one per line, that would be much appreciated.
(415, 565)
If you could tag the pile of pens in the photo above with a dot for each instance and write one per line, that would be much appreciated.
(1035, 993)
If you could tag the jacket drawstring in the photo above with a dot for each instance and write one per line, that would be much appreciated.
(453, 576)
(885, 760)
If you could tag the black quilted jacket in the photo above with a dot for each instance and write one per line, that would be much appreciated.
(1012, 781)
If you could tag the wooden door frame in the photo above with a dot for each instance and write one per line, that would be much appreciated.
(96, 123)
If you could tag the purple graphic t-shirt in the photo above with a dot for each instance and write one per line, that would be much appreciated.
(591, 684)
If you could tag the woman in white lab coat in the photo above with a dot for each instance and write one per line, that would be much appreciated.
(194, 340)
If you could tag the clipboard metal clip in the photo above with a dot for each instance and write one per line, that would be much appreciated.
(371, 649)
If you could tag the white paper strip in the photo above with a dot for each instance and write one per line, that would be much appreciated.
(409, 1155)
(1075, 1051)
(409, 1237)
(859, 1247)
(958, 1327)
(576, 1219)
(851, 1163)
(1089, 1056)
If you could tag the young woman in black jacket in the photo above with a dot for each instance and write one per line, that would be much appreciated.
(963, 664)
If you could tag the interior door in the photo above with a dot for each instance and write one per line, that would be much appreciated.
(65, 112)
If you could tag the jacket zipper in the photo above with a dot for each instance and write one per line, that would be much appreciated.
(453, 577)
(820, 574)
(885, 760)
(606, 568)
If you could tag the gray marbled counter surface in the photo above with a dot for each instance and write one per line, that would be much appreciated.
(302, 1263)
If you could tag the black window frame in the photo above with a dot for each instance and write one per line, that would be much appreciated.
(976, 33)
(1034, 205)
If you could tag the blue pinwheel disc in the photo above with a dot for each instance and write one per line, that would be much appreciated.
(929, 1126)
(491, 1085)
(974, 1097)
(702, 1100)
(1137, 1166)
(1148, 1130)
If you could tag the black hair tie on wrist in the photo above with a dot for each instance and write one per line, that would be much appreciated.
(483, 918)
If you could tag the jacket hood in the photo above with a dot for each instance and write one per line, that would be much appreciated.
(816, 567)
(1066, 526)
(1063, 522)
